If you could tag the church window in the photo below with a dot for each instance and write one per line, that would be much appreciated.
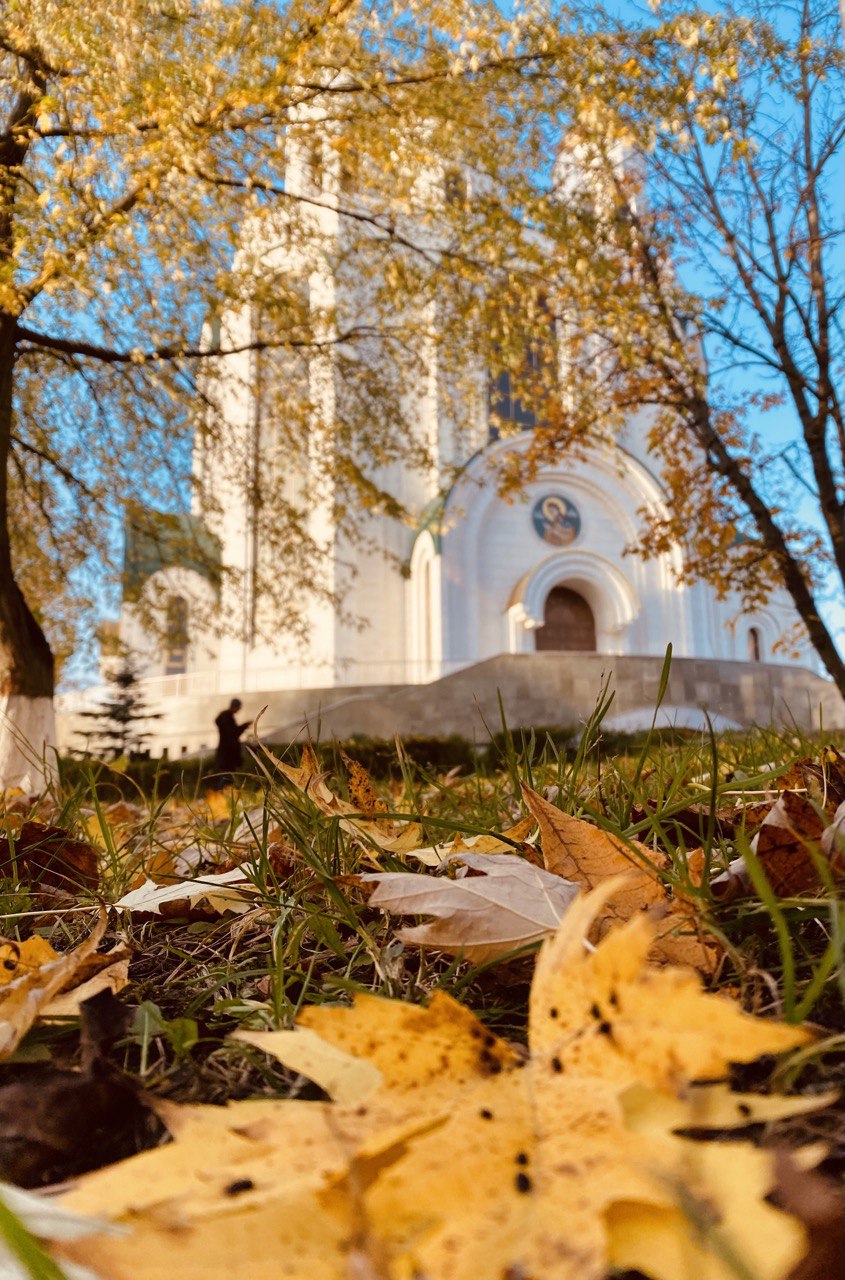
(350, 170)
(568, 623)
(176, 636)
(455, 188)
(427, 620)
(315, 163)
(515, 393)
(755, 645)
(506, 408)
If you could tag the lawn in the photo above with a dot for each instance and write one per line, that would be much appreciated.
(295, 923)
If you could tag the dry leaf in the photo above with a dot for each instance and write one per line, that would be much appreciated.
(823, 779)
(223, 891)
(788, 844)
(465, 1162)
(362, 793)
(23, 999)
(580, 851)
(344, 1078)
(783, 846)
(620, 1017)
(20, 958)
(110, 977)
(45, 856)
(398, 838)
(587, 855)
(435, 855)
(832, 843)
(507, 905)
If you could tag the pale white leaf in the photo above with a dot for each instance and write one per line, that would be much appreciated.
(45, 1219)
(511, 903)
(222, 891)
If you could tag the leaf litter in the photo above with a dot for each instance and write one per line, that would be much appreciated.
(401, 1172)
(464, 1160)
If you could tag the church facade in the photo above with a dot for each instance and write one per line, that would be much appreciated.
(474, 575)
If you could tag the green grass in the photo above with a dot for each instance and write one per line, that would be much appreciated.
(311, 936)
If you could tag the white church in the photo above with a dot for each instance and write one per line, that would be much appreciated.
(475, 577)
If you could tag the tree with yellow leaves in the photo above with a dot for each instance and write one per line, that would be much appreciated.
(716, 140)
(147, 224)
(143, 159)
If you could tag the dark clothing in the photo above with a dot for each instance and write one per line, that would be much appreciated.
(229, 754)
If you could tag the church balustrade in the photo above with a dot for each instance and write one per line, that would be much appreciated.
(296, 676)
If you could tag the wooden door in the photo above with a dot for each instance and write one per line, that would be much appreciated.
(568, 623)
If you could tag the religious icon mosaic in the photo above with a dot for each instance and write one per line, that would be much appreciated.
(556, 519)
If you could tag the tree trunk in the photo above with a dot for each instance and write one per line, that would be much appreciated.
(27, 716)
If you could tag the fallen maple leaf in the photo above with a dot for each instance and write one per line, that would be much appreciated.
(20, 958)
(832, 843)
(435, 855)
(362, 793)
(618, 1016)
(583, 853)
(372, 833)
(344, 1078)
(507, 904)
(462, 1161)
(112, 974)
(822, 779)
(783, 846)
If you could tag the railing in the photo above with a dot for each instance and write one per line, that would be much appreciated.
(232, 681)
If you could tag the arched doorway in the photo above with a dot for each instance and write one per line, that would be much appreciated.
(568, 623)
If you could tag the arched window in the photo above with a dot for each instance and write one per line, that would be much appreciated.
(314, 162)
(568, 623)
(427, 620)
(517, 397)
(176, 636)
(755, 645)
(455, 187)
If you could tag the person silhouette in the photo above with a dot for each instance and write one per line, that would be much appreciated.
(229, 755)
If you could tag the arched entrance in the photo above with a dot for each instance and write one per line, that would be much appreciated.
(568, 623)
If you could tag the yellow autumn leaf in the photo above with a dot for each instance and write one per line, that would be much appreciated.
(362, 793)
(19, 958)
(462, 1159)
(24, 998)
(379, 833)
(344, 1077)
(67, 1004)
(579, 851)
(609, 1012)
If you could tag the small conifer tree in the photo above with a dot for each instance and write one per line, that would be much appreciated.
(120, 723)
